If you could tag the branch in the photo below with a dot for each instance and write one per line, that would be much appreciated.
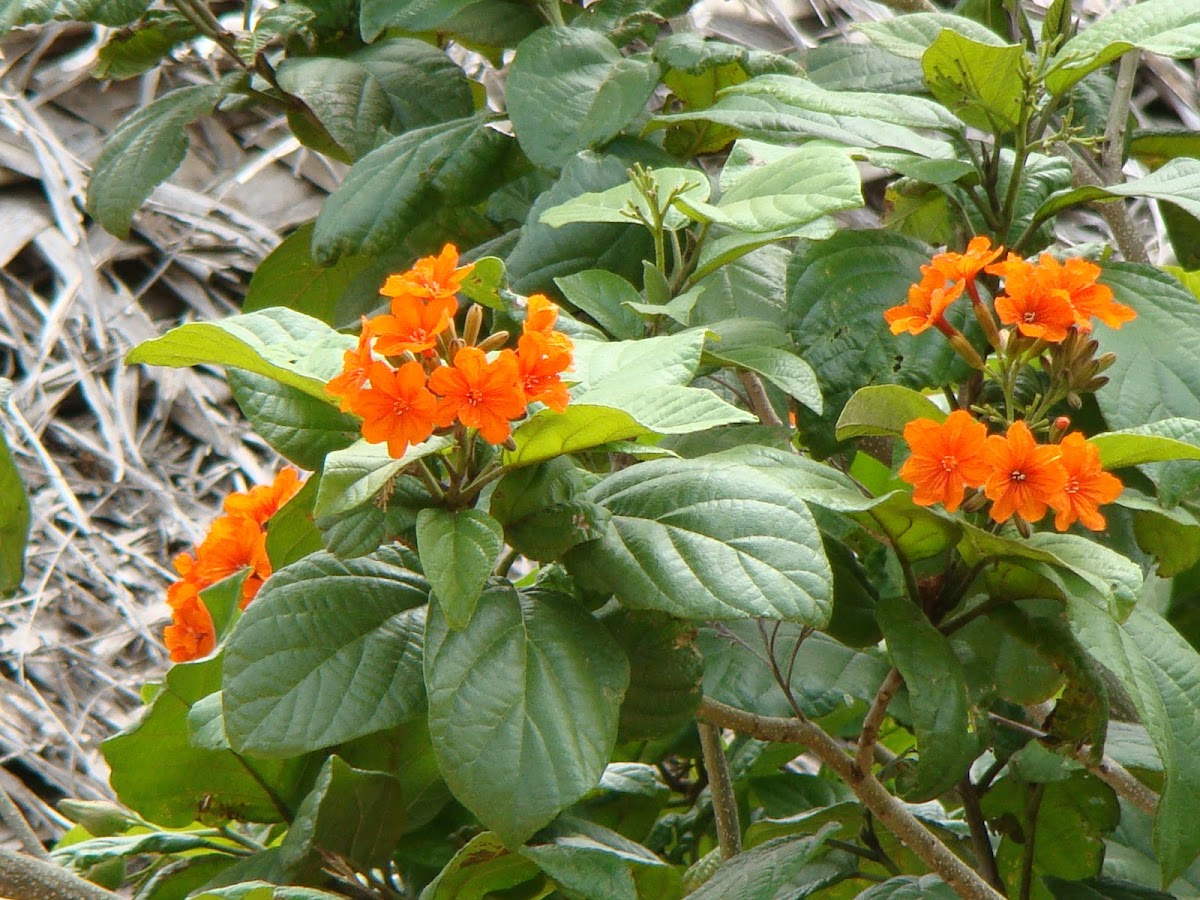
(11, 816)
(759, 401)
(729, 830)
(1113, 155)
(875, 716)
(980, 842)
(1083, 174)
(25, 878)
(886, 808)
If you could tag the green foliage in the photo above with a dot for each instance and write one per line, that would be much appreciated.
(721, 514)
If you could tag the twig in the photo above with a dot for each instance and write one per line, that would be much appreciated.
(1114, 213)
(894, 815)
(25, 878)
(985, 857)
(875, 716)
(14, 819)
(759, 401)
(1113, 156)
(1032, 805)
(716, 764)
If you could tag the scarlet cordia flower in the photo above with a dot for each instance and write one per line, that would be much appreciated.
(191, 634)
(397, 408)
(260, 503)
(1038, 308)
(233, 543)
(1025, 475)
(926, 306)
(946, 459)
(354, 369)
(966, 266)
(480, 394)
(413, 324)
(432, 278)
(1076, 278)
(540, 318)
(541, 361)
(1088, 486)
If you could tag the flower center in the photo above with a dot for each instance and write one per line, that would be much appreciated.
(474, 396)
(949, 463)
(1072, 486)
(1030, 317)
(400, 407)
(1017, 475)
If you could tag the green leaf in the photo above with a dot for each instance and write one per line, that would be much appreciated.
(353, 476)
(290, 277)
(542, 253)
(389, 191)
(523, 706)
(261, 890)
(363, 529)
(131, 52)
(1161, 27)
(376, 16)
(1072, 817)
(664, 676)
(1176, 182)
(1160, 671)
(145, 149)
(458, 550)
(591, 861)
(185, 780)
(291, 532)
(838, 66)
(751, 286)
(355, 814)
(784, 369)
(884, 410)
(484, 282)
(827, 676)
(1145, 384)
(910, 36)
(759, 874)
(298, 426)
(625, 203)
(668, 548)
(1129, 855)
(910, 887)
(570, 89)
(837, 292)
(339, 640)
(979, 82)
(288, 347)
(947, 741)
(423, 85)
(347, 101)
(479, 869)
(14, 523)
(603, 296)
(1147, 444)
(103, 12)
(801, 188)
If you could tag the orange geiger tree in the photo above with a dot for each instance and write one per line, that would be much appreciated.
(641, 530)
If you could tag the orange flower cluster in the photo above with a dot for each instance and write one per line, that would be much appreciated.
(1042, 300)
(1019, 475)
(429, 378)
(236, 541)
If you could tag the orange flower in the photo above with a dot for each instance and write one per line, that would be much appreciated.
(1076, 278)
(354, 369)
(946, 459)
(260, 503)
(1038, 309)
(481, 394)
(541, 360)
(397, 408)
(966, 266)
(926, 306)
(413, 324)
(432, 278)
(1088, 485)
(540, 318)
(233, 543)
(1025, 476)
(191, 635)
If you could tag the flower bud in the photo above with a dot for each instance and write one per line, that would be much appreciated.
(494, 341)
(473, 324)
(964, 349)
(1104, 361)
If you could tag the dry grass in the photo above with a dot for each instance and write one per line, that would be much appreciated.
(126, 466)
